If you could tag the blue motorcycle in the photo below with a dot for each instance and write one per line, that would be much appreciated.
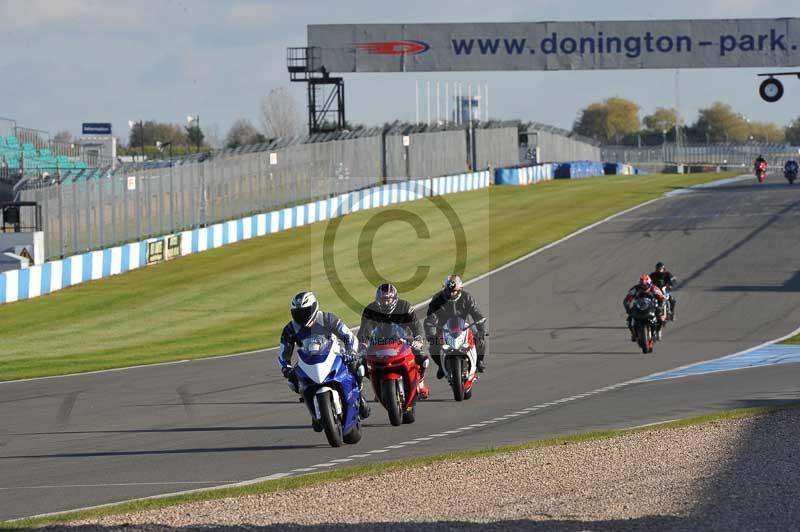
(790, 171)
(329, 389)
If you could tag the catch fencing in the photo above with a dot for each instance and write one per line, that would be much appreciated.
(548, 144)
(718, 155)
(35, 281)
(137, 201)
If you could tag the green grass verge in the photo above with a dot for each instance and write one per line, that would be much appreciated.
(793, 340)
(235, 298)
(350, 472)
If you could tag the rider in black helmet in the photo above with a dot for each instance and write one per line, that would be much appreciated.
(389, 308)
(453, 301)
(665, 280)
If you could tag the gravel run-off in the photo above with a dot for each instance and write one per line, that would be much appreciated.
(738, 474)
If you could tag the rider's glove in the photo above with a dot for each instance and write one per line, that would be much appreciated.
(416, 344)
(287, 371)
(348, 357)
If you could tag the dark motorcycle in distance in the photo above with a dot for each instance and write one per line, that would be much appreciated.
(644, 313)
(790, 172)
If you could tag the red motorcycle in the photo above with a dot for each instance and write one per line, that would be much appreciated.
(761, 171)
(394, 373)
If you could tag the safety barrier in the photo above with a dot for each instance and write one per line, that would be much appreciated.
(619, 169)
(579, 169)
(17, 285)
(525, 175)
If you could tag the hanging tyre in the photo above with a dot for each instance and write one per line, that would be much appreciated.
(771, 90)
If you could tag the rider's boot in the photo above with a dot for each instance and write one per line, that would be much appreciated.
(422, 388)
(481, 364)
(363, 408)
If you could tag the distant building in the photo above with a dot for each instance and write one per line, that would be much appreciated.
(466, 107)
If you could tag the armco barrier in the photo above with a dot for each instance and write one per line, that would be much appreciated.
(579, 169)
(618, 169)
(525, 175)
(17, 285)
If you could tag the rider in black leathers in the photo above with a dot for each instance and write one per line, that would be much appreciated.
(453, 301)
(389, 308)
(663, 278)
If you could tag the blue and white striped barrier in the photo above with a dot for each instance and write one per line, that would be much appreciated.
(18, 285)
(526, 175)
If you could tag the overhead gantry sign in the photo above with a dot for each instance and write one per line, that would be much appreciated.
(645, 44)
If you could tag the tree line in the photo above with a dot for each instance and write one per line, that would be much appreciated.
(616, 121)
(279, 118)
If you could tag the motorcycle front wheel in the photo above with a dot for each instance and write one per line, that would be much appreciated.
(330, 422)
(391, 400)
(456, 378)
(643, 336)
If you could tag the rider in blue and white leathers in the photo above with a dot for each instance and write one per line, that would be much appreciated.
(307, 321)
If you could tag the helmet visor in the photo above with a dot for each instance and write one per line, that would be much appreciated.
(302, 316)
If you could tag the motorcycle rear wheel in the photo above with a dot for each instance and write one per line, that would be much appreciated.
(354, 436)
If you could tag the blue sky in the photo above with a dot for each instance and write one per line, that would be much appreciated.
(64, 62)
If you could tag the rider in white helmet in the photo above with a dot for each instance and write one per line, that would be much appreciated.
(308, 320)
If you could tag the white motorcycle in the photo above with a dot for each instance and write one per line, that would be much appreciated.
(459, 356)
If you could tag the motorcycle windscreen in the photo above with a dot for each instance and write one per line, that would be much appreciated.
(643, 308)
(316, 357)
(385, 334)
(455, 333)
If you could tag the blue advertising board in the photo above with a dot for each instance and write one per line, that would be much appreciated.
(96, 128)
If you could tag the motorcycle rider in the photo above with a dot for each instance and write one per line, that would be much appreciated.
(663, 278)
(790, 167)
(389, 308)
(451, 302)
(760, 159)
(308, 320)
(645, 288)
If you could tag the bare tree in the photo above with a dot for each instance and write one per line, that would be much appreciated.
(213, 136)
(63, 136)
(279, 116)
(241, 133)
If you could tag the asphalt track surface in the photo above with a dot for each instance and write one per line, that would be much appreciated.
(558, 352)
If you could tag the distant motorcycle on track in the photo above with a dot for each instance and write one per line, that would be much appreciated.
(790, 171)
(761, 171)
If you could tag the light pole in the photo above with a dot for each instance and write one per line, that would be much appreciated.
(132, 123)
(196, 120)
